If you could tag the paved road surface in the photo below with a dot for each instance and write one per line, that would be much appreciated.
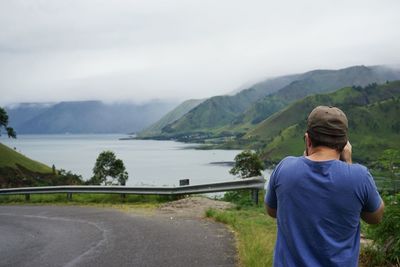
(83, 236)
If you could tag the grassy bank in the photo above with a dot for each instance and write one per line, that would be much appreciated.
(86, 199)
(11, 158)
(255, 233)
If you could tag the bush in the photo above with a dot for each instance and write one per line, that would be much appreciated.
(385, 249)
(239, 197)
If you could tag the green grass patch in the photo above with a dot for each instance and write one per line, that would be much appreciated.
(10, 158)
(86, 199)
(255, 233)
(385, 249)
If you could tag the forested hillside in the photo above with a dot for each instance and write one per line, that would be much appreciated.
(218, 111)
(236, 115)
(373, 114)
(175, 114)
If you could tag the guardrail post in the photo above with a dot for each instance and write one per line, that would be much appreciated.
(27, 197)
(254, 196)
(123, 197)
(69, 196)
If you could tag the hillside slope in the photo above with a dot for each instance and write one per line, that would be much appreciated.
(13, 159)
(16, 170)
(217, 111)
(235, 115)
(372, 111)
(319, 81)
(170, 117)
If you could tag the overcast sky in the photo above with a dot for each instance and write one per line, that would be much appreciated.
(152, 49)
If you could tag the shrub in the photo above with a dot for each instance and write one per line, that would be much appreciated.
(385, 249)
(239, 197)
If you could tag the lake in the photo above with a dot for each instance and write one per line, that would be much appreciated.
(148, 162)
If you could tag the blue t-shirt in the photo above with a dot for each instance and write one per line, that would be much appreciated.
(318, 211)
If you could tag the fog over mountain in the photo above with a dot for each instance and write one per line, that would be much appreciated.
(85, 117)
(235, 114)
(52, 51)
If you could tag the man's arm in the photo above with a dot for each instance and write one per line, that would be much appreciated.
(369, 217)
(270, 211)
(373, 217)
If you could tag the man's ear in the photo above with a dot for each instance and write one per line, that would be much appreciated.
(307, 139)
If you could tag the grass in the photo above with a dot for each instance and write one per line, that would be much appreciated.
(9, 158)
(102, 200)
(255, 233)
(385, 249)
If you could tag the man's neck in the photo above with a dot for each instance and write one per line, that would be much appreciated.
(323, 153)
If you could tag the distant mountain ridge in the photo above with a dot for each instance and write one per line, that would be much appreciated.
(237, 114)
(373, 114)
(317, 81)
(217, 111)
(85, 117)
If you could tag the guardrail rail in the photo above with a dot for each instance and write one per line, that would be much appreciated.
(253, 183)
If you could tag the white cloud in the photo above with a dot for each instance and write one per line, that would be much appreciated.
(138, 50)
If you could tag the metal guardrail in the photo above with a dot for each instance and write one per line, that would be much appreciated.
(254, 183)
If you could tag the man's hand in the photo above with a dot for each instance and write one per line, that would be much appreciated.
(346, 153)
(270, 211)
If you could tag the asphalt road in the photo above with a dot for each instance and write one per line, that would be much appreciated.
(83, 236)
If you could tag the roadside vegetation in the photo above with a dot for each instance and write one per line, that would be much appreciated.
(385, 247)
(255, 232)
(87, 199)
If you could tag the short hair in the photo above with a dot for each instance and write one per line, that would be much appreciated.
(339, 145)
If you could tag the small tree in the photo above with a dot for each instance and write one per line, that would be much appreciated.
(109, 170)
(247, 164)
(4, 124)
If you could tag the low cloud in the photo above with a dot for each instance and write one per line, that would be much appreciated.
(141, 50)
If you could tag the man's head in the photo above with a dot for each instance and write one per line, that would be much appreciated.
(328, 126)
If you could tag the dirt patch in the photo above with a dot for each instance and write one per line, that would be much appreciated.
(364, 241)
(191, 207)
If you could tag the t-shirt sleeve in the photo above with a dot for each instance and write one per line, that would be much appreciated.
(270, 196)
(372, 200)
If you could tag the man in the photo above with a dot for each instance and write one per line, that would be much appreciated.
(318, 198)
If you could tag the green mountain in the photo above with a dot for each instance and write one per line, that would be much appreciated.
(318, 81)
(170, 117)
(11, 158)
(235, 115)
(85, 117)
(372, 111)
(16, 170)
(218, 111)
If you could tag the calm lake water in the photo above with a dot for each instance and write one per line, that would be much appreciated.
(148, 162)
